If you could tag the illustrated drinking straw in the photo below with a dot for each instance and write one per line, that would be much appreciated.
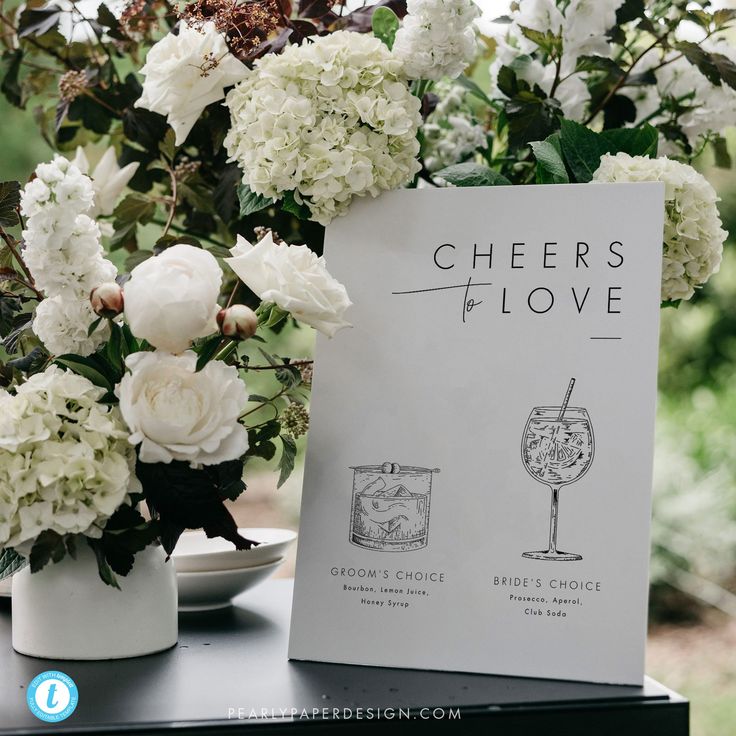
(566, 400)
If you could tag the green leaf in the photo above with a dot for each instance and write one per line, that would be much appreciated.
(9, 203)
(207, 350)
(250, 202)
(10, 86)
(49, 545)
(85, 367)
(136, 258)
(167, 147)
(135, 207)
(94, 326)
(593, 63)
(550, 43)
(641, 141)
(721, 154)
(550, 165)
(289, 204)
(474, 89)
(113, 351)
(726, 69)
(288, 457)
(106, 574)
(582, 149)
(385, 23)
(125, 236)
(700, 58)
(10, 563)
(723, 16)
(630, 10)
(531, 117)
(471, 174)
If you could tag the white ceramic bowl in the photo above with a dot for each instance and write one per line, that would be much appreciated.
(194, 552)
(203, 591)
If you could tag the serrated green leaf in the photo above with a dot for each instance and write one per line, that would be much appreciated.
(10, 563)
(470, 174)
(9, 203)
(289, 204)
(593, 63)
(385, 23)
(48, 546)
(550, 165)
(250, 202)
(287, 460)
(167, 147)
(641, 141)
(582, 149)
(135, 207)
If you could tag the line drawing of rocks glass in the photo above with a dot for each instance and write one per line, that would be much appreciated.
(557, 449)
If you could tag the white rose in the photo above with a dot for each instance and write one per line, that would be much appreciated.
(293, 278)
(187, 72)
(171, 299)
(176, 413)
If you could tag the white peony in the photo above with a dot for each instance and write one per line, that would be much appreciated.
(62, 324)
(171, 299)
(176, 413)
(108, 179)
(693, 236)
(185, 73)
(437, 38)
(293, 278)
(325, 121)
(65, 462)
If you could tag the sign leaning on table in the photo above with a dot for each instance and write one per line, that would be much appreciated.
(478, 477)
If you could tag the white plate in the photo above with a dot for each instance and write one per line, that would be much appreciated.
(194, 552)
(203, 591)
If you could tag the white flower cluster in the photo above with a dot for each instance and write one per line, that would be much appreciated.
(185, 73)
(327, 120)
(65, 461)
(64, 254)
(451, 133)
(437, 38)
(693, 236)
(582, 26)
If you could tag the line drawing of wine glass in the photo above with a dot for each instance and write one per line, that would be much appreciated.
(557, 449)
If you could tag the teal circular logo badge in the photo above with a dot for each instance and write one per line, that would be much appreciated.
(52, 696)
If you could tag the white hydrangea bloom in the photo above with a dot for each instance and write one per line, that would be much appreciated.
(62, 324)
(437, 38)
(451, 133)
(326, 121)
(65, 461)
(185, 73)
(693, 236)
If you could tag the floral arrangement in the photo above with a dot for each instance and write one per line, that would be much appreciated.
(134, 307)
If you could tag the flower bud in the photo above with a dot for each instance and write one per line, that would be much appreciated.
(107, 299)
(239, 322)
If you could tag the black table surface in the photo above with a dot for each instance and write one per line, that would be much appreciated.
(229, 673)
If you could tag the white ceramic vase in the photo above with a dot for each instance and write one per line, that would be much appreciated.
(65, 611)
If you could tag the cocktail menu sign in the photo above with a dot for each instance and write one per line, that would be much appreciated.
(478, 477)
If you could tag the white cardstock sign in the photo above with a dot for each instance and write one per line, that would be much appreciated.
(478, 477)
